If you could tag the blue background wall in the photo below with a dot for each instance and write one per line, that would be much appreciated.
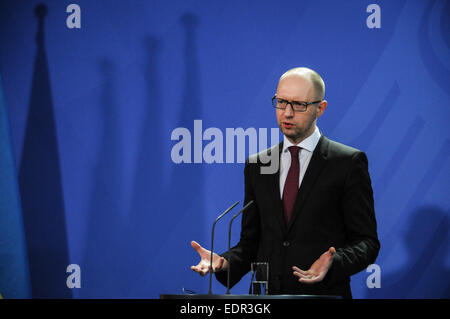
(92, 110)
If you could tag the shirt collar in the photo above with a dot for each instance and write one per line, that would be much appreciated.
(308, 143)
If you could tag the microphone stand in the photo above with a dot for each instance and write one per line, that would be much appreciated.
(229, 244)
(212, 244)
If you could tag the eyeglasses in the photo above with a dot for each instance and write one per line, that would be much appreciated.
(296, 105)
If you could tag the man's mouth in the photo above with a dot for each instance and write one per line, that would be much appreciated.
(287, 125)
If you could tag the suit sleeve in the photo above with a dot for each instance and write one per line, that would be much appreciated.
(357, 206)
(244, 253)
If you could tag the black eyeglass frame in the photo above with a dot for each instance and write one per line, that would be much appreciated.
(304, 104)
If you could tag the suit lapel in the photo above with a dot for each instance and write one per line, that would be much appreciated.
(274, 185)
(312, 173)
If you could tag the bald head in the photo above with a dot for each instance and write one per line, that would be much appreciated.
(310, 75)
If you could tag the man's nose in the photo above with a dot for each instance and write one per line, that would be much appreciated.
(289, 111)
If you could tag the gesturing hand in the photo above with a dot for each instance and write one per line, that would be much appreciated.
(318, 269)
(203, 267)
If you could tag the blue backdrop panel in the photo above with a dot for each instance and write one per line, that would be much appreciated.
(92, 111)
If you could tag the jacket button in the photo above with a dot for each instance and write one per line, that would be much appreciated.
(286, 243)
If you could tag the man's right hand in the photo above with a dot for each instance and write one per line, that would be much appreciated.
(203, 267)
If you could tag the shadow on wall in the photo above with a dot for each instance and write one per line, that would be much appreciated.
(417, 279)
(149, 221)
(125, 246)
(435, 67)
(425, 274)
(103, 238)
(40, 184)
(159, 205)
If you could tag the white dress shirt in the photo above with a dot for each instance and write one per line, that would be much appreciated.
(307, 147)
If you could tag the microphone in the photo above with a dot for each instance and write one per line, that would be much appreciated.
(229, 244)
(212, 243)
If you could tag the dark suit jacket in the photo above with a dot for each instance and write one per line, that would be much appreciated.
(334, 207)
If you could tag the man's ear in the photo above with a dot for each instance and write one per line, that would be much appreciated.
(321, 108)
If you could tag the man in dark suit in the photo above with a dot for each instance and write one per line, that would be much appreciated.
(313, 220)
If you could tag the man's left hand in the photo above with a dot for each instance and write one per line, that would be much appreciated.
(318, 269)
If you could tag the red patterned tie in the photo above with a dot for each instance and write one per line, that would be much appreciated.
(291, 185)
